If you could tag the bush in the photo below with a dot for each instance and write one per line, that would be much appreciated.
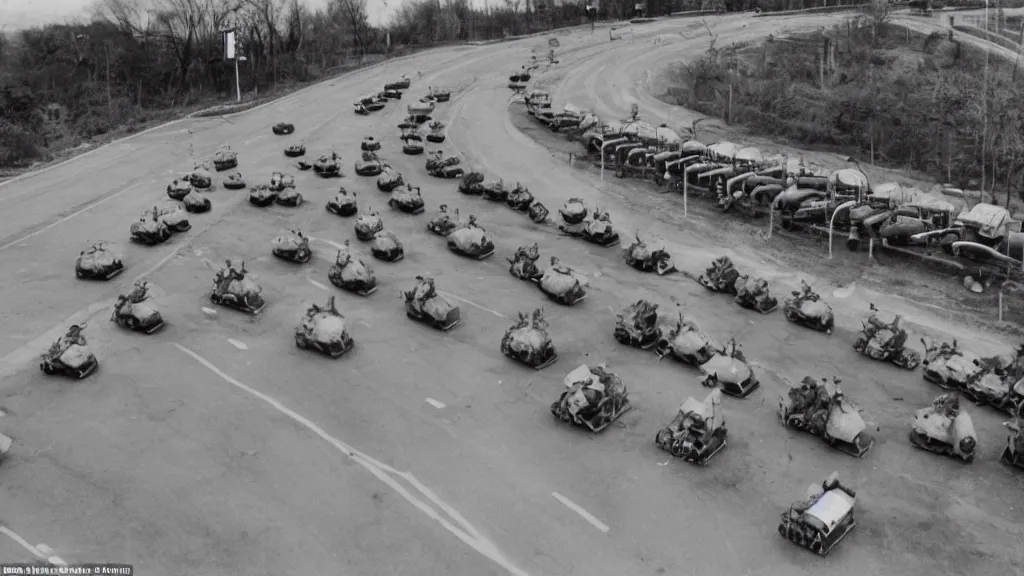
(18, 146)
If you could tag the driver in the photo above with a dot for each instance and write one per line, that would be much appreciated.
(424, 290)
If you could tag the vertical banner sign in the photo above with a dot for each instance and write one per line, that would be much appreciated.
(229, 45)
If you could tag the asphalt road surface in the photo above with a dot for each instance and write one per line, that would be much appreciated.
(216, 445)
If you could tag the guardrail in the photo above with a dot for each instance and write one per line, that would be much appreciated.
(819, 9)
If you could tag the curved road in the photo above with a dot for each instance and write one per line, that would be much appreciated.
(216, 444)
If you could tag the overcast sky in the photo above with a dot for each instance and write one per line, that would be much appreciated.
(15, 14)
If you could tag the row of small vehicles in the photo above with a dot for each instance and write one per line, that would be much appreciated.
(942, 222)
(595, 397)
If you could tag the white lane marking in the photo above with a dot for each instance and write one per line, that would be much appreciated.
(435, 403)
(471, 303)
(365, 324)
(317, 284)
(66, 218)
(586, 515)
(466, 532)
(50, 556)
(238, 344)
(209, 311)
(43, 552)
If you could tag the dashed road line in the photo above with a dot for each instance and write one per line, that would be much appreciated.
(435, 403)
(42, 551)
(238, 344)
(317, 284)
(577, 509)
(464, 531)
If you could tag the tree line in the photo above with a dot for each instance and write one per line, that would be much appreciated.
(132, 63)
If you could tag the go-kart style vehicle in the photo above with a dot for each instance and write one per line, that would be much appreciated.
(520, 77)
(98, 263)
(1002, 386)
(686, 343)
(150, 229)
(943, 428)
(293, 247)
(352, 274)
(402, 84)
(594, 398)
(561, 284)
(389, 179)
(279, 181)
(527, 341)
(235, 181)
(820, 521)
(445, 222)
(420, 109)
(495, 191)
(574, 211)
(343, 203)
(519, 198)
(425, 305)
(289, 197)
(471, 240)
(537, 212)
(642, 258)
(407, 199)
(179, 188)
(721, 276)
(390, 94)
(523, 265)
(806, 308)
(225, 159)
(196, 204)
(295, 150)
(822, 410)
(262, 196)
(385, 246)
(472, 184)
(369, 144)
(414, 122)
(886, 342)
(283, 128)
(436, 134)
(1013, 454)
(731, 372)
(303, 165)
(134, 312)
(328, 166)
(324, 330)
(437, 95)
(232, 288)
(370, 103)
(367, 225)
(175, 218)
(950, 367)
(369, 165)
(697, 432)
(69, 355)
(637, 325)
(597, 230)
(412, 144)
(752, 293)
(200, 177)
(447, 171)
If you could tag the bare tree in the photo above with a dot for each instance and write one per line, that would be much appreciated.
(355, 13)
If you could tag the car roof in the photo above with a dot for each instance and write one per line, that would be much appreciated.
(831, 507)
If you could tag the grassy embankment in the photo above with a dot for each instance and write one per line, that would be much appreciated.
(887, 95)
